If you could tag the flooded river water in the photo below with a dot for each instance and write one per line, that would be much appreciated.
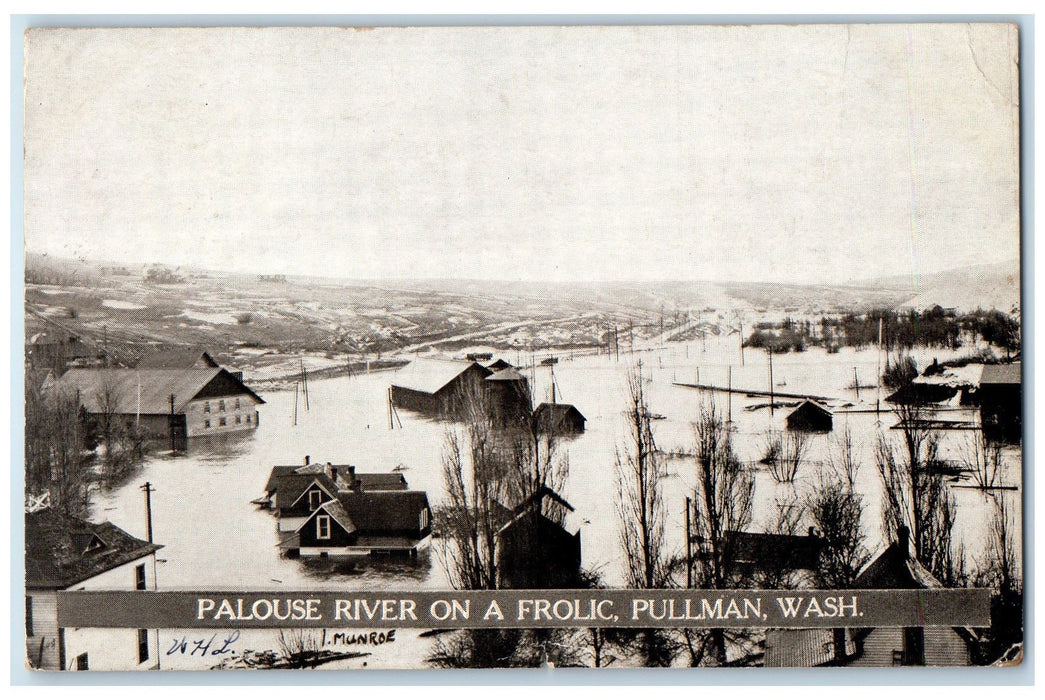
(213, 536)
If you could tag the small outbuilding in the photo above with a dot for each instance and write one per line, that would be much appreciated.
(811, 417)
(1001, 401)
(558, 419)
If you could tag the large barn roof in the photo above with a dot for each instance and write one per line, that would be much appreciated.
(430, 376)
(157, 385)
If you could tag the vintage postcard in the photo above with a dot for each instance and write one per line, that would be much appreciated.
(484, 347)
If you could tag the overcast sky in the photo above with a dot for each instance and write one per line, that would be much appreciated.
(801, 154)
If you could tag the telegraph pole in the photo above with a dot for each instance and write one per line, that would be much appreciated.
(769, 349)
(148, 489)
(689, 546)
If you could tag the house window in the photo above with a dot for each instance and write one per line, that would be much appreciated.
(424, 518)
(238, 420)
(28, 616)
(221, 405)
(248, 419)
(237, 403)
(323, 527)
(139, 577)
(81, 662)
(315, 499)
(206, 406)
(221, 421)
(143, 646)
(206, 423)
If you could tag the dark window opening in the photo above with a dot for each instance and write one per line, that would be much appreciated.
(139, 577)
(143, 646)
(81, 662)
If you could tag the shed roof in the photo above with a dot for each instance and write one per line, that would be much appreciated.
(157, 385)
(430, 376)
(1001, 374)
(59, 551)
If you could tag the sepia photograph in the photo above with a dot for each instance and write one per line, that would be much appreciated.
(523, 347)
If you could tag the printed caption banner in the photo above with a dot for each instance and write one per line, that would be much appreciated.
(525, 609)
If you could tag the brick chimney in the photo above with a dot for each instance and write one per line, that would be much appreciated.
(307, 458)
(903, 540)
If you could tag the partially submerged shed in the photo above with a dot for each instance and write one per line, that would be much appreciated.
(812, 417)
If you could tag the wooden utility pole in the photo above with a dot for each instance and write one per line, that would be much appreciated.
(729, 394)
(741, 343)
(171, 426)
(148, 489)
(769, 349)
(296, 385)
(689, 546)
(856, 383)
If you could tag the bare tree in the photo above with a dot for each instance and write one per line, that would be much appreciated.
(982, 457)
(918, 499)
(722, 505)
(842, 456)
(489, 469)
(640, 479)
(784, 454)
(56, 460)
(836, 511)
(640, 507)
(1000, 570)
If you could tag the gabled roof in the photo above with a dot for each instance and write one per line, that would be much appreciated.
(811, 405)
(509, 374)
(430, 376)
(177, 358)
(337, 513)
(324, 485)
(157, 385)
(532, 504)
(894, 567)
(1002, 374)
(498, 364)
(558, 411)
(290, 487)
(377, 511)
(62, 550)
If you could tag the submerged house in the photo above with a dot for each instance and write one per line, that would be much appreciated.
(333, 510)
(893, 568)
(770, 552)
(64, 553)
(810, 417)
(1001, 401)
(536, 546)
(443, 389)
(558, 419)
(167, 403)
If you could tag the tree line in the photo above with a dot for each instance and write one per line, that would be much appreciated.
(933, 327)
